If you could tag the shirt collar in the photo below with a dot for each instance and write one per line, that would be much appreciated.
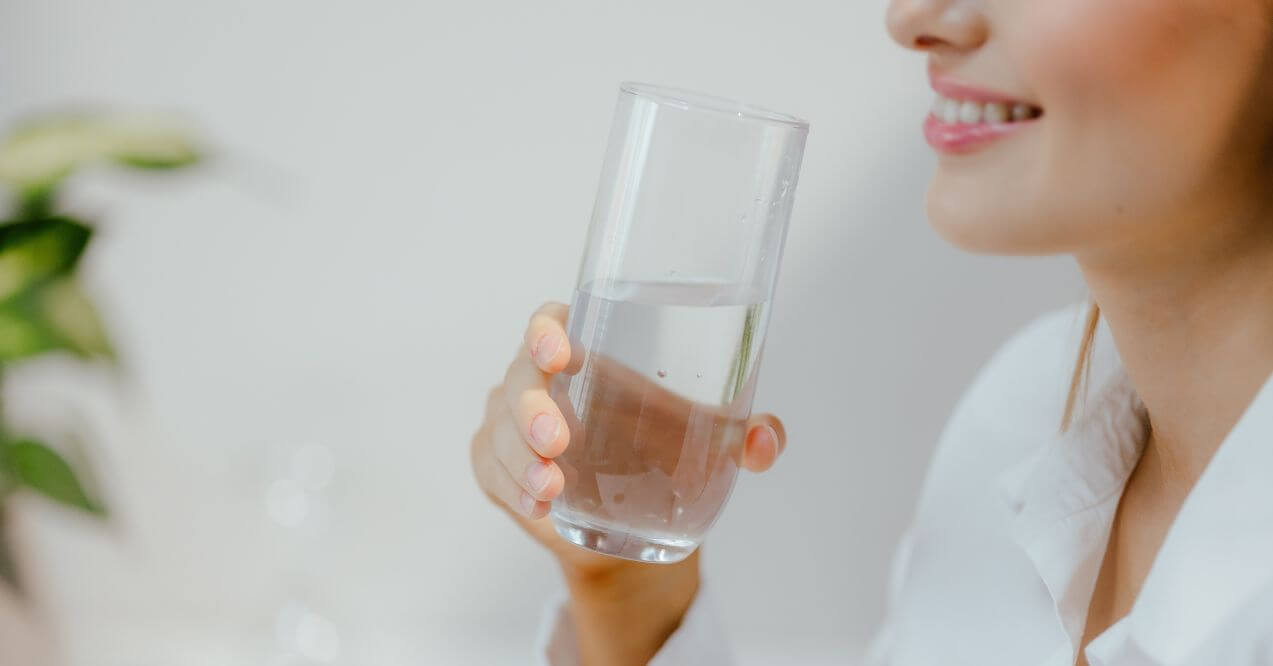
(1065, 495)
(1217, 553)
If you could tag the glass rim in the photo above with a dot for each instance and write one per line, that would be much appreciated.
(689, 99)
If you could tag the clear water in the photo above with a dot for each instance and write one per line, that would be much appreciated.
(656, 412)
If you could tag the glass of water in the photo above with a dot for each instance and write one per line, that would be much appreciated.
(668, 318)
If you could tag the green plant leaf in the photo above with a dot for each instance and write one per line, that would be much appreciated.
(21, 336)
(7, 482)
(43, 470)
(149, 142)
(74, 320)
(34, 252)
(157, 162)
(36, 203)
(55, 316)
(38, 156)
(8, 563)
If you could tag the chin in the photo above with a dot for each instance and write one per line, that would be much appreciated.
(988, 227)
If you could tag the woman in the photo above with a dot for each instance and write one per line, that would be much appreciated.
(1135, 136)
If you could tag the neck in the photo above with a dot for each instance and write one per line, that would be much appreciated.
(1192, 317)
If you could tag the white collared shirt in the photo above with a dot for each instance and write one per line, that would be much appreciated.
(999, 564)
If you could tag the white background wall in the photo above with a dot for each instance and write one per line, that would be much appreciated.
(396, 186)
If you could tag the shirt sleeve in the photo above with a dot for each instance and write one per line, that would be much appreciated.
(699, 640)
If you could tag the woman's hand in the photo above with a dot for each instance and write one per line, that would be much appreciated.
(623, 610)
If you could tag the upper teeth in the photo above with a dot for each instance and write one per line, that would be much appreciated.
(968, 112)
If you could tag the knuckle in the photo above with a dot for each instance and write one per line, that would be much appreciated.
(529, 403)
(505, 441)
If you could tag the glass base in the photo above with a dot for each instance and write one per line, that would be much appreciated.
(624, 545)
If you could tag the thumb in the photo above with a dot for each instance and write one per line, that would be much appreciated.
(765, 441)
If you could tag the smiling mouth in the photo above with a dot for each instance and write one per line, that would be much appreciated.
(964, 125)
(966, 118)
(973, 112)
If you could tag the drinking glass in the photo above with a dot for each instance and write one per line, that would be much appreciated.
(668, 318)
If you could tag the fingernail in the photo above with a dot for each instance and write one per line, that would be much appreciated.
(546, 348)
(544, 429)
(767, 433)
(528, 504)
(538, 476)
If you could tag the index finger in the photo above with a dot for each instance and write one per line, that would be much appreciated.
(546, 338)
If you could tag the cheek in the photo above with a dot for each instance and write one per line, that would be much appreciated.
(1148, 94)
(1126, 118)
(1079, 46)
(1141, 100)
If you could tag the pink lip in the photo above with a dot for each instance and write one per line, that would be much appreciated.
(949, 87)
(960, 138)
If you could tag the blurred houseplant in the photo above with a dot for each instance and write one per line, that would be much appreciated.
(43, 309)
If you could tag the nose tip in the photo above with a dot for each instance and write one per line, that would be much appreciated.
(933, 25)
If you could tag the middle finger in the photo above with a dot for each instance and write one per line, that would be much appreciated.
(536, 415)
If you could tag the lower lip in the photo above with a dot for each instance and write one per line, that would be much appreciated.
(960, 138)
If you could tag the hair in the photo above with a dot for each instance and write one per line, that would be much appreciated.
(1082, 366)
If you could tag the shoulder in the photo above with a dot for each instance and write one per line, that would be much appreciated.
(959, 577)
(1013, 406)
